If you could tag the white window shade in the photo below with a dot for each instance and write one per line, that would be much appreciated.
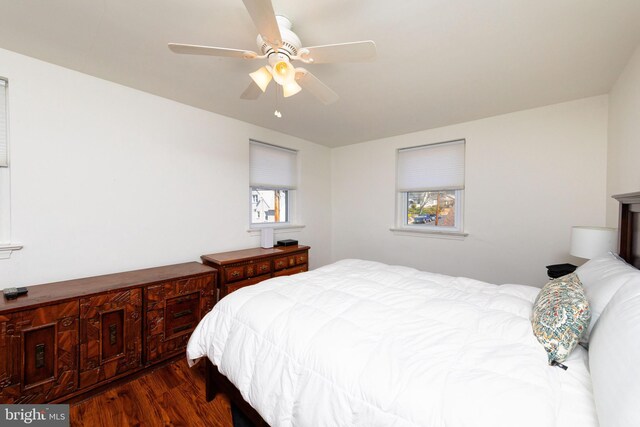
(3, 124)
(273, 167)
(431, 167)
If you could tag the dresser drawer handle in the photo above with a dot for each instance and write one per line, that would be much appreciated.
(183, 299)
(113, 334)
(182, 328)
(235, 273)
(182, 313)
(264, 267)
(40, 356)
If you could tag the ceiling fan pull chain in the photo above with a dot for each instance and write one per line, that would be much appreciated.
(277, 112)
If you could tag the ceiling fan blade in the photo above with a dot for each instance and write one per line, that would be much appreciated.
(310, 83)
(341, 52)
(252, 91)
(192, 49)
(261, 12)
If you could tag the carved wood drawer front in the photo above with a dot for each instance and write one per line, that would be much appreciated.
(227, 289)
(155, 293)
(176, 310)
(192, 284)
(181, 314)
(280, 263)
(110, 335)
(263, 267)
(301, 259)
(234, 273)
(38, 354)
(290, 271)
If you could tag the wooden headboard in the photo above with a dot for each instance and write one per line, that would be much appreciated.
(629, 227)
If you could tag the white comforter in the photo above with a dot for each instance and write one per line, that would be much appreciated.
(359, 343)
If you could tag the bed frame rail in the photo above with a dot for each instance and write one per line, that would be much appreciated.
(218, 383)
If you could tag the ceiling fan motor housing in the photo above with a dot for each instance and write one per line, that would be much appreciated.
(290, 41)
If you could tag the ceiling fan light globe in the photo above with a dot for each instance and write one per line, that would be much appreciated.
(283, 72)
(261, 77)
(290, 89)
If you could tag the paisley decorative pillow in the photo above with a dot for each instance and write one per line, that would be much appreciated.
(561, 316)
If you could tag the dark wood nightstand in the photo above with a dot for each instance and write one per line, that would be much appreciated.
(237, 269)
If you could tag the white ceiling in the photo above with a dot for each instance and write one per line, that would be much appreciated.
(439, 61)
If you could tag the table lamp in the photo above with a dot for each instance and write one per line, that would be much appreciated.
(590, 242)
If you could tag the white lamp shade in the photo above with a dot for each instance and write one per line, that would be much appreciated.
(290, 89)
(590, 242)
(261, 77)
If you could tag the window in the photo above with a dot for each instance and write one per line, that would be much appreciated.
(274, 177)
(4, 156)
(430, 184)
(269, 206)
(5, 210)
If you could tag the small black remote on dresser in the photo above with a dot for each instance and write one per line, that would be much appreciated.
(13, 293)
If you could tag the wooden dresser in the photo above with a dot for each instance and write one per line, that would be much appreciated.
(250, 266)
(64, 339)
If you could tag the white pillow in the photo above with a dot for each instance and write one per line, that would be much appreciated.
(601, 278)
(614, 356)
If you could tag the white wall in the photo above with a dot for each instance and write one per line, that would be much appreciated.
(105, 178)
(623, 171)
(530, 176)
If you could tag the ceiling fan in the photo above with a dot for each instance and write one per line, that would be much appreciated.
(280, 47)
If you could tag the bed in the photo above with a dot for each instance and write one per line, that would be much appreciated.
(360, 343)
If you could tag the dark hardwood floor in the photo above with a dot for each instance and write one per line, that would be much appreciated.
(172, 395)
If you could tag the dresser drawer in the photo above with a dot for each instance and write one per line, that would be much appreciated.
(110, 335)
(191, 284)
(300, 259)
(38, 348)
(290, 271)
(231, 287)
(261, 267)
(157, 293)
(172, 311)
(181, 314)
(234, 273)
(280, 263)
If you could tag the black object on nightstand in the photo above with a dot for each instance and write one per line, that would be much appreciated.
(559, 270)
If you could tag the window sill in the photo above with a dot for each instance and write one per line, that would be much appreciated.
(277, 229)
(5, 250)
(440, 234)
